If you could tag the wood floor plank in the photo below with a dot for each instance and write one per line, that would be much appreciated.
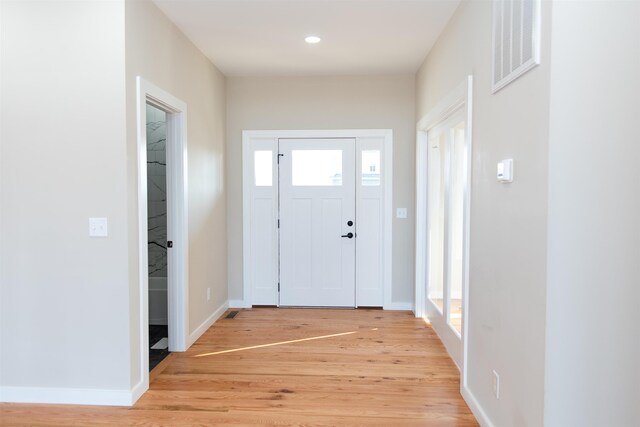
(302, 367)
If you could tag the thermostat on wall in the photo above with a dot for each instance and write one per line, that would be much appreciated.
(505, 170)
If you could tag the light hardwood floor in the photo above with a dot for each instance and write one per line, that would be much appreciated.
(311, 367)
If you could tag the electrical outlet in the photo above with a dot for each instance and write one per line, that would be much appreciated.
(208, 294)
(98, 227)
(496, 385)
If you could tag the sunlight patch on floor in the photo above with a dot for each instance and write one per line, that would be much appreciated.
(275, 344)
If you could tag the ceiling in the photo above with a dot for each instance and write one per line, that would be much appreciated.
(266, 37)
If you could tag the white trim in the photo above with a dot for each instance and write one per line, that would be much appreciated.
(476, 408)
(238, 303)
(421, 228)
(399, 306)
(138, 390)
(322, 133)
(193, 337)
(177, 228)
(445, 332)
(387, 154)
(246, 221)
(447, 106)
(460, 97)
(466, 251)
(70, 396)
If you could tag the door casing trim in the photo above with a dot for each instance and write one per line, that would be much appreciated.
(177, 225)
(460, 97)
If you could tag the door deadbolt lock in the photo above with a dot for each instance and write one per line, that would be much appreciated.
(350, 223)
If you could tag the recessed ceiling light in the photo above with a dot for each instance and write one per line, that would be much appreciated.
(312, 39)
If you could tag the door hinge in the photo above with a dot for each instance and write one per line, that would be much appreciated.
(278, 287)
(278, 223)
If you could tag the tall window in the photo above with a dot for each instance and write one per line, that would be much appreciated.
(447, 169)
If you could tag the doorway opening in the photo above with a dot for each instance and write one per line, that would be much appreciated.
(162, 226)
(157, 235)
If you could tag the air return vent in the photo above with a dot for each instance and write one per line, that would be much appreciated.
(516, 39)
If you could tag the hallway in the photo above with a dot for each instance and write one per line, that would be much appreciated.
(291, 367)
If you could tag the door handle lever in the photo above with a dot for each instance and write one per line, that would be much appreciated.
(348, 235)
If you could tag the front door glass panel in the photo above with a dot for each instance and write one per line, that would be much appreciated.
(316, 168)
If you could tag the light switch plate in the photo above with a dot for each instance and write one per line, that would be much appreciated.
(98, 227)
(505, 171)
(401, 213)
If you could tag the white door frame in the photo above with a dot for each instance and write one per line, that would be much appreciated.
(460, 97)
(177, 217)
(362, 136)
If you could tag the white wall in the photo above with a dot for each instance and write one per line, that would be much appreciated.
(70, 307)
(593, 341)
(508, 222)
(349, 102)
(65, 296)
(161, 54)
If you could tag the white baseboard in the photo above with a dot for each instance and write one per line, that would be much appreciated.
(238, 303)
(399, 306)
(139, 390)
(475, 407)
(193, 337)
(68, 396)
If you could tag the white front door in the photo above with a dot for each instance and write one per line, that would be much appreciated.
(317, 222)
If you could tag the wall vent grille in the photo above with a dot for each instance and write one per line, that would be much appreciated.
(516, 39)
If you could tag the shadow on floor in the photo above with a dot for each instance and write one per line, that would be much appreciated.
(157, 333)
